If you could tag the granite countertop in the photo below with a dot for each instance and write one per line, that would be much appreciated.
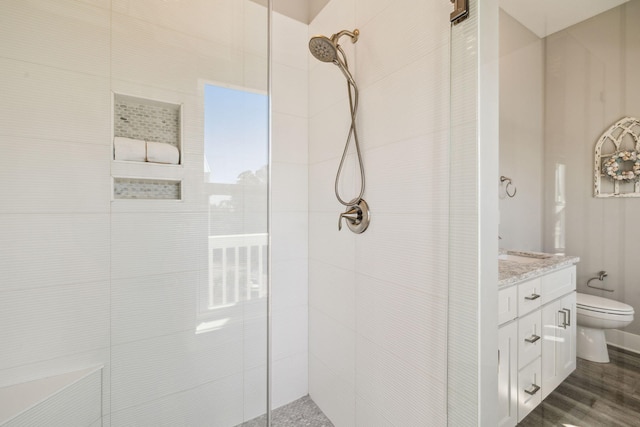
(510, 272)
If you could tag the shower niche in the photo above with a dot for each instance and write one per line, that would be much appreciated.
(147, 157)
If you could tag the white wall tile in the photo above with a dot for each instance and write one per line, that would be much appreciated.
(403, 124)
(254, 19)
(405, 322)
(49, 103)
(255, 341)
(406, 394)
(328, 130)
(327, 244)
(413, 250)
(322, 178)
(289, 43)
(289, 379)
(401, 33)
(51, 322)
(214, 403)
(289, 332)
(57, 33)
(58, 116)
(290, 231)
(327, 86)
(290, 90)
(290, 135)
(332, 291)
(396, 108)
(151, 306)
(42, 250)
(393, 174)
(157, 243)
(332, 393)
(289, 187)
(289, 280)
(255, 392)
(217, 20)
(147, 370)
(54, 176)
(333, 344)
(83, 395)
(368, 415)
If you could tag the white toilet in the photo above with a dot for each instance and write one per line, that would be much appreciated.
(594, 315)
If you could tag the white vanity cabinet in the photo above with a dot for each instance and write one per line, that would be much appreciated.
(536, 340)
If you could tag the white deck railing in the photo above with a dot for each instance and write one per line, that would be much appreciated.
(237, 268)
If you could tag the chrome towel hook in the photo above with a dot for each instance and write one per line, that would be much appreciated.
(509, 185)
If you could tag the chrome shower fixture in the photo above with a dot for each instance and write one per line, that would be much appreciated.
(327, 49)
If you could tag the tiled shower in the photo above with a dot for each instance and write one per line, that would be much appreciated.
(124, 284)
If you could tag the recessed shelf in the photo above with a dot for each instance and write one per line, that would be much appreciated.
(146, 189)
(148, 120)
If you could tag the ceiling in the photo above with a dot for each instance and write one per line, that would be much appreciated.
(542, 17)
(545, 17)
(300, 10)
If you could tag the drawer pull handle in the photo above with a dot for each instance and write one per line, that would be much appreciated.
(532, 339)
(533, 390)
(532, 297)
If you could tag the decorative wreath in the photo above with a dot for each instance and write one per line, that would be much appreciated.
(612, 167)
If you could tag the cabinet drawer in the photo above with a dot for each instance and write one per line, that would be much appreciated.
(558, 283)
(529, 296)
(507, 304)
(529, 393)
(529, 338)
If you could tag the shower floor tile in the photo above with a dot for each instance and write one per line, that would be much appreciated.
(299, 413)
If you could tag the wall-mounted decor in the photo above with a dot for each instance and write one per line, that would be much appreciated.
(617, 160)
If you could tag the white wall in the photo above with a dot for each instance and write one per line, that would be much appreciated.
(521, 135)
(87, 281)
(378, 301)
(289, 210)
(591, 82)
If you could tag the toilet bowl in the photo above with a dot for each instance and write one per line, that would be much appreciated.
(594, 315)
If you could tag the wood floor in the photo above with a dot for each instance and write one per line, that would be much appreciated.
(595, 394)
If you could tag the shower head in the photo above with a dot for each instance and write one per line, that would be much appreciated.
(326, 49)
(323, 48)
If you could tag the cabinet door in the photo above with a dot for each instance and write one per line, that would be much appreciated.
(566, 355)
(508, 375)
(558, 342)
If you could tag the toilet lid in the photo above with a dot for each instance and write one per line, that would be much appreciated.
(592, 302)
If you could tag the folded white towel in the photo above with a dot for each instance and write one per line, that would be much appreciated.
(129, 149)
(160, 152)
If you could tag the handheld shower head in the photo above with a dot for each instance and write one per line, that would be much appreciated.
(326, 49)
(323, 48)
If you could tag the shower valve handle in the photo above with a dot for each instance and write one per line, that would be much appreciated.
(353, 216)
(357, 217)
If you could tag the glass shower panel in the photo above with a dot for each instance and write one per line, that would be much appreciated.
(128, 271)
(200, 358)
